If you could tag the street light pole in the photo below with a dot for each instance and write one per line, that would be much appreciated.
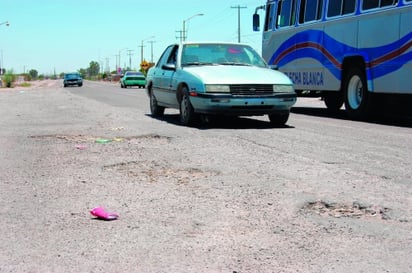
(120, 64)
(1, 57)
(151, 50)
(129, 52)
(184, 35)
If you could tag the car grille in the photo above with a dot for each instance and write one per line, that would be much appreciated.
(251, 89)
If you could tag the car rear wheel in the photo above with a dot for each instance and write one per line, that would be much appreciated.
(333, 100)
(279, 119)
(187, 113)
(155, 109)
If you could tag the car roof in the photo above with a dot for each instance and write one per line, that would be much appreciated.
(133, 73)
(212, 42)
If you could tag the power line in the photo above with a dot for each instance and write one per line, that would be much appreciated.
(238, 7)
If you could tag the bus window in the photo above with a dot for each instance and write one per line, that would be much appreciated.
(310, 10)
(385, 3)
(370, 4)
(373, 4)
(285, 15)
(348, 6)
(269, 17)
(340, 7)
(334, 8)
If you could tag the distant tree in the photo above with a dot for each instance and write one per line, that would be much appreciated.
(33, 74)
(94, 68)
(9, 78)
(83, 72)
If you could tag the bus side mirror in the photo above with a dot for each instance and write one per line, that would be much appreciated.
(256, 22)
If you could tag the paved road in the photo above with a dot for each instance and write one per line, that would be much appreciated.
(323, 194)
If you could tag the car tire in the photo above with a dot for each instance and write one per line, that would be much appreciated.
(187, 113)
(155, 109)
(279, 119)
(333, 101)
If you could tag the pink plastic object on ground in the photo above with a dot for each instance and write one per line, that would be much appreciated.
(101, 213)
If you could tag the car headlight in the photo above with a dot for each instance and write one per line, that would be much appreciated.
(278, 88)
(217, 88)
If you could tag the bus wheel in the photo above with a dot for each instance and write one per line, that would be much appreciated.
(357, 97)
(333, 101)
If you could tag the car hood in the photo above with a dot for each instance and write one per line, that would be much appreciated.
(236, 74)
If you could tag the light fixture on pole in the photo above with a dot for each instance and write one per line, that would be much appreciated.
(5, 23)
(184, 35)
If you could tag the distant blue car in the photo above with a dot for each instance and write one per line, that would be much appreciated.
(209, 79)
(72, 79)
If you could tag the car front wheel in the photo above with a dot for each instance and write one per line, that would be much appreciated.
(155, 109)
(187, 113)
(279, 119)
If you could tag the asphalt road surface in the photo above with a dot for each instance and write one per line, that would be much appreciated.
(323, 194)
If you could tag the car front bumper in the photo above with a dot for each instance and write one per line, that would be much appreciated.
(73, 82)
(134, 82)
(242, 105)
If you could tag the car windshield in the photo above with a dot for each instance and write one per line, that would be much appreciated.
(220, 54)
(72, 76)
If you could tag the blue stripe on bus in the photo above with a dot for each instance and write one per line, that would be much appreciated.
(379, 61)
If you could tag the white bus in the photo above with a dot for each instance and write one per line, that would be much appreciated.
(345, 51)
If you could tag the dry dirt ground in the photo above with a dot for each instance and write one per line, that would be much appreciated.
(192, 200)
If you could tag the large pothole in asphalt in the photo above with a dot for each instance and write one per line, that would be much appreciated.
(155, 171)
(354, 210)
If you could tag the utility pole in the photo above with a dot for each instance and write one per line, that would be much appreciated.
(180, 35)
(238, 20)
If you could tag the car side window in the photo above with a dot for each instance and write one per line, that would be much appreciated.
(163, 59)
(173, 56)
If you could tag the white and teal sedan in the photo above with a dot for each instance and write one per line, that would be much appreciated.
(208, 79)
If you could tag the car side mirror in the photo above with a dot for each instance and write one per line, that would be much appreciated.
(256, 22)
(169, 67)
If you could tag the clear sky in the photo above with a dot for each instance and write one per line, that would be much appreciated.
(66, 35)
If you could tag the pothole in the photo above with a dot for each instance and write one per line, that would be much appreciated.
(354, 210)
(68, 138)
(151, 171)
(90, 138)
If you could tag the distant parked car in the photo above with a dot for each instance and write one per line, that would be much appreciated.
(132, 78)
(72, 79)
(208, 79)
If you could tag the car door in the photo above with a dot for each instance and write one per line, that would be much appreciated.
(168, 72)
(158, 76)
